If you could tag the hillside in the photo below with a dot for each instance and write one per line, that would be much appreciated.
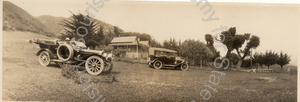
(52, 23)
(107, 27)
(17, 19)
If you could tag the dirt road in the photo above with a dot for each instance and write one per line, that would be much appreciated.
(24, 79)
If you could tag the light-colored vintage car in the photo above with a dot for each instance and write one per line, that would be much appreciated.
(73, 52)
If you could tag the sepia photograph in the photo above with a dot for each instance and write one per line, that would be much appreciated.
(150, 50)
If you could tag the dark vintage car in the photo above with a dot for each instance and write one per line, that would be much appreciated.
(161, 57)
(73, 52)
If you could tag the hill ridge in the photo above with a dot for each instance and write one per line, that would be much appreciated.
(17, 19)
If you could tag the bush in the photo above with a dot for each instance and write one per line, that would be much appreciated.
(195, 51)
(108, 48)
(246, 63)
(119, 52)
(105, 48)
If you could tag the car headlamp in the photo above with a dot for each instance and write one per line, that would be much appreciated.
(104, 54)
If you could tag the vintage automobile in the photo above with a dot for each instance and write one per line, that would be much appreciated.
(161, 57)
(73, 52)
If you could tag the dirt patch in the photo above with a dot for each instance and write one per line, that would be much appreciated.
(266, 79)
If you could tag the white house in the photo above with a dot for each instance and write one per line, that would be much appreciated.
(135, 48)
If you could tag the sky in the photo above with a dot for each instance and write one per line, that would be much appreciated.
(276, 23)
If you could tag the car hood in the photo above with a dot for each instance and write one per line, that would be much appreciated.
(93, 51)
(179, 58)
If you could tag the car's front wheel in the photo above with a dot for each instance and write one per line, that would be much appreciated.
(184, 67)
(94, 65)
(157, 64)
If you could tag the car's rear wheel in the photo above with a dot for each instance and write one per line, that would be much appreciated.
(184, 67)
(44, 58)
(94, 65)
(157, 64)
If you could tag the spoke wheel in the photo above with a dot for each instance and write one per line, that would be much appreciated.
(94, 65)
(44, 58)
(157, 64)
(184, 67)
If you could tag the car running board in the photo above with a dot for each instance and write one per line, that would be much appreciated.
(170, 65)
(60, 61)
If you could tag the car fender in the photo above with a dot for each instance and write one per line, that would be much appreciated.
(154, 60)
(39, 52)
(105, 58)
(183, 62)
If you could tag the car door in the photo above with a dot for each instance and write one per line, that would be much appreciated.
(169, 59)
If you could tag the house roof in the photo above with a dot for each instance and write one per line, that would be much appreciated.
(127, 39)
(161, 49)
(123, 44)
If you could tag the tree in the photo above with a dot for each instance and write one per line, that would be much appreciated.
(234, 58)
(171, 44)
(209, 40)
(235, 41)
(258, 58)
(253, 43)
(88, 25)
(154, 43)
(210, 44)
(99, 38)
(142, 36)
(117, 31)
(246, 63)
(270, 58)
(195, 51)
(108, 37)
(283, 59)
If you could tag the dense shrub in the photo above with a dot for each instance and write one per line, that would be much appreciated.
(105, 48)
(195, 51)
(246, 63)
(108, 48)
(119, 52)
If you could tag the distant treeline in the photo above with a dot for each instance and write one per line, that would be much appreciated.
(199, 53)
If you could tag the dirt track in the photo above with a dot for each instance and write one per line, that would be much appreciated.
(24, 79)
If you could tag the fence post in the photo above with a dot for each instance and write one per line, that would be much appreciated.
(201, 63)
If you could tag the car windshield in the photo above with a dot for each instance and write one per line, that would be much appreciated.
(78, 44)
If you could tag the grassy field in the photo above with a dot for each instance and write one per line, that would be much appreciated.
(25, 80)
